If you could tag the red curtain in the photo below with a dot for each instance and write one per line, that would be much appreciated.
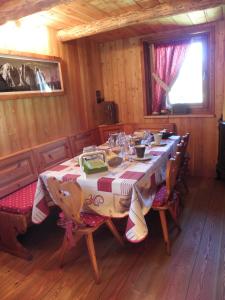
(168, 61)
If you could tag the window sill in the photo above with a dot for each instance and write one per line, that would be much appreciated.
(181, 116)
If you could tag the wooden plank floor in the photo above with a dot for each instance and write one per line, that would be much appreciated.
(196, 269)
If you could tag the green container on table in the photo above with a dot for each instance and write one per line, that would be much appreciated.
(92, 166)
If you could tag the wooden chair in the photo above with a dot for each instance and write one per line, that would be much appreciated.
(184, 164)
(68, 196)
(167, 199)
(186, 160)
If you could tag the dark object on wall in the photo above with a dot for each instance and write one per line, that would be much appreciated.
(107, 112)
(220, 167)
(99, 99)
(180, 109)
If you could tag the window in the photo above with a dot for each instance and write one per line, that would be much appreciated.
(179, 71)
(188, 87)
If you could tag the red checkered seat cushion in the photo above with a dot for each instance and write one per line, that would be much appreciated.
(160, 197)
(90, 220)
(21, 201)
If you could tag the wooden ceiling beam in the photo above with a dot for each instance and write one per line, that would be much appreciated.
(11, 10)
(167, 8)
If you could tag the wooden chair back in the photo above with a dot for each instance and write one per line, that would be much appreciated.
(185, 138)
(172, 172)
(181, 150)
(68, 196)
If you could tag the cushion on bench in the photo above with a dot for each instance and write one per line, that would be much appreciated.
(21, 201)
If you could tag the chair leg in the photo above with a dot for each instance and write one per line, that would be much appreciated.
(66, 246)
(162, 214)
(63, 250)
(174, 218)
(114, 231)
(92, 255)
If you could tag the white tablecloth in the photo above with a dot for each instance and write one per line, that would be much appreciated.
(127, 190)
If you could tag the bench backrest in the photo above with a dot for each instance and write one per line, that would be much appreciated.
(17, 171)
(51, 154)
(83, 139)
(156, 127)
(22, 168)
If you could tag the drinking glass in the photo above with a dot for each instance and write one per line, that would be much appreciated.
(111, 141)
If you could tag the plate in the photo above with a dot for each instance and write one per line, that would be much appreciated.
(153, 144)
(146, 157)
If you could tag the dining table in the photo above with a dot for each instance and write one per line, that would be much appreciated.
(127, 190)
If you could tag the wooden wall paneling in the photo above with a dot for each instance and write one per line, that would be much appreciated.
(108, 79)
(35, 120)
(139, 79)
(92, 79)
(30, 121)
(68, 52)
(108, 75)
(204, 132)
(114, 72)
(84, 76)
(96, 78)
(219, 68)
(121, 69)
(129, 73)
(4, 142)
(85, 81)
(121, 97)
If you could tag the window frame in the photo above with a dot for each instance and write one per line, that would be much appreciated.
(207, 34)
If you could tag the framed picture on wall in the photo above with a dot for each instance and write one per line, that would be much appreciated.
(24, 75)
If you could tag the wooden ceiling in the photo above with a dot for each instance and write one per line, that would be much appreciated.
(113, 19)
(165, 24)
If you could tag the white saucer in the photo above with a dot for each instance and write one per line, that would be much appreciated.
(146, 157)
(162, 144)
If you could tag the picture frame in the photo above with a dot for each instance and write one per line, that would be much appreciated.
(23, 75)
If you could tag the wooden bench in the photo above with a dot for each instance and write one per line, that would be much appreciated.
(18, 178)
(18, 175)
